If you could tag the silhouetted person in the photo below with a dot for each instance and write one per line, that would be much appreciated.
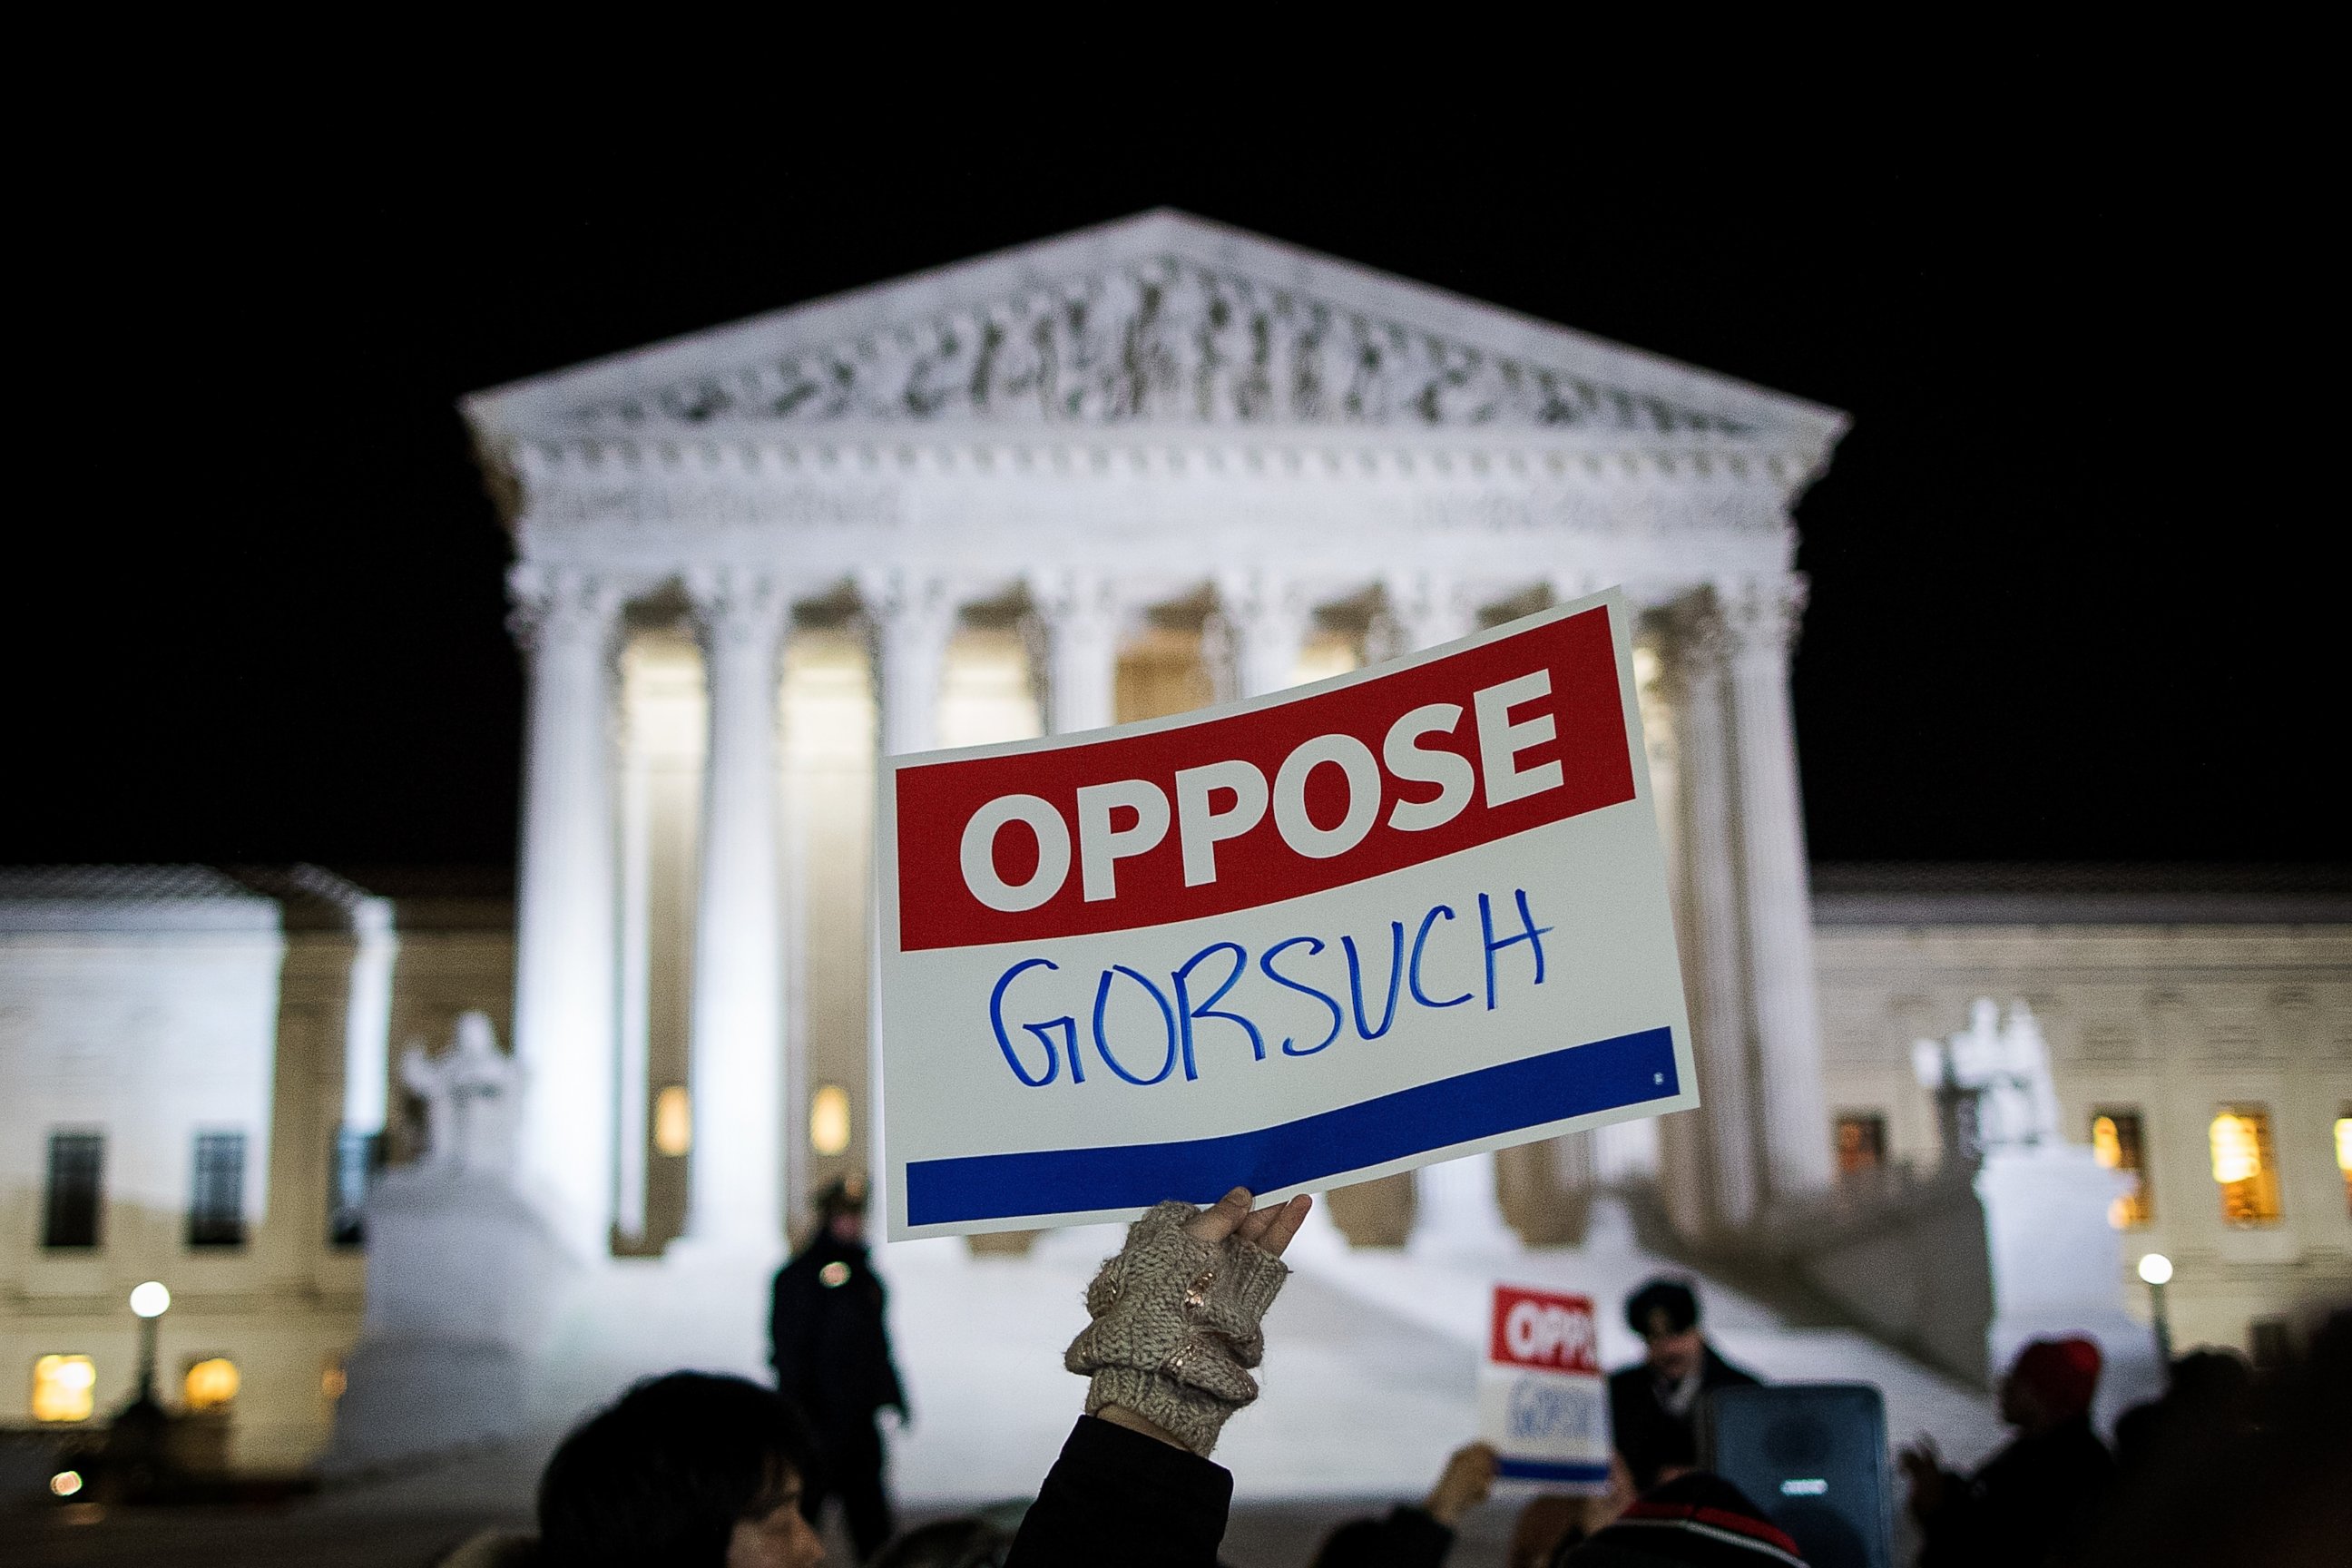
(1696, 1520)
(1653, 1406)
(832, 1355)
(2036, 1501)
(2274, 1489)
(2209, 1397)
(691, 1470)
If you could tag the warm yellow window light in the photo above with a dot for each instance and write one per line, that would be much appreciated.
(2244, 1167)
(333, 1380)
(64, 1388)
(211, 1384)
(829, 1120)
(2116, 1141)
(673, 1121)
(2343, 1154)
(2236, 1157)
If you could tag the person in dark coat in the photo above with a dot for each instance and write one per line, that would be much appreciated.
(832, 1355)
(1653, 1406)
(2036, 1501)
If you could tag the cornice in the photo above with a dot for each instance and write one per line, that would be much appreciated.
(1688, 458)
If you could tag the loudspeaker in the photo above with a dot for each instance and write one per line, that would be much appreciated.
(1813, 1456)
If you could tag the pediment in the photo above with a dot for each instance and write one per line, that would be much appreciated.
(1160, 320)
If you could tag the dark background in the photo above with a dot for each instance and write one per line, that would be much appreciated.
(2069, 600)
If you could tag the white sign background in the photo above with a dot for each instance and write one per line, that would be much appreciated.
(1610, 970)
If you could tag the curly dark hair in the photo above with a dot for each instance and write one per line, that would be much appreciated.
(663, 1474)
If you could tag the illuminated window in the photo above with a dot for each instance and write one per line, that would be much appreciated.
(211, 1384)
(2116, 1140)
(216, 1196)
(333, 1380)
(673, 1122)
(829, 1120)
(77, 1163)
(2344, 1151)
(64, 1388)
(2245, 1167)
(1861, 1141)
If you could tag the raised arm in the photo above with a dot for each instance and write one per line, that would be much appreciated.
(1168, 1355)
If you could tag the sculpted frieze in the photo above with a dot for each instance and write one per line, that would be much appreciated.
(1165, 341)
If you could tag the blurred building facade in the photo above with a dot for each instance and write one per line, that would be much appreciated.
(1107, 478)
(151, 1008)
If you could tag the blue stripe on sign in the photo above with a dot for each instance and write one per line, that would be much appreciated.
(1626, 1070)
(1536, 1470)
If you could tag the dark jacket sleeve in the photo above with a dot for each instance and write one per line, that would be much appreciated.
(1119, 1497)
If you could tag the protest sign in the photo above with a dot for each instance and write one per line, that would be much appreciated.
(1542, 1402)
(1396, 917)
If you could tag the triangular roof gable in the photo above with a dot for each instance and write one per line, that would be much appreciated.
(1159, 319)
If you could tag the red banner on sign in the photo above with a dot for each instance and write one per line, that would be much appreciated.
(1306, 795)
(1543, 1328)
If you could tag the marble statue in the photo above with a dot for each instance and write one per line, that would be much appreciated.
(2002, 1067)
(469, 1092)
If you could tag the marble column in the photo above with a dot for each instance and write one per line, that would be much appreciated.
(566, 931)
(367, 1056)
(1080, 617)
(735, 1178)
(913, 619)
(1724, 1044)
(1456, 1208)
(1265, 621)
(910, 618)
(1760, 620)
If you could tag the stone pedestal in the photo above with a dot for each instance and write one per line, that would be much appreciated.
(462, 1273)
(2057, 1265)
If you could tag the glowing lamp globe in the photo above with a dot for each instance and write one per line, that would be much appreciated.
(2156, 1268)
(151, 1300)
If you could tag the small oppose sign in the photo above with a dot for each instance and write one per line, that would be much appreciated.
(1542, 1402)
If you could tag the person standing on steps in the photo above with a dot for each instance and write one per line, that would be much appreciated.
(1653, 1406)
(830, 1348)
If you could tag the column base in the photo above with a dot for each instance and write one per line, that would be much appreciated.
(1456, 1213)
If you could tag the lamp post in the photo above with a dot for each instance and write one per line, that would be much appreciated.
(150, 1301)
(2155, 1270)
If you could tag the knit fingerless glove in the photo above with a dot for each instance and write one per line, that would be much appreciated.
(1175, 1326)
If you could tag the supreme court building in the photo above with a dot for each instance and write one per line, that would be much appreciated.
(1104, 477)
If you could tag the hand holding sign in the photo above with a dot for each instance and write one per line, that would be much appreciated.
(1175, 1331)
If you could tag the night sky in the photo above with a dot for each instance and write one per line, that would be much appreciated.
(2068, 600)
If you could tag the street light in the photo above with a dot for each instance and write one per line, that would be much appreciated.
(2155, 1270)
(150, 1301)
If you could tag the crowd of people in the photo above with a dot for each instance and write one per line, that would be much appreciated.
(701, 1469)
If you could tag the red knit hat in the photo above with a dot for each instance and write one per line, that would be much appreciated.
(2063, 1373)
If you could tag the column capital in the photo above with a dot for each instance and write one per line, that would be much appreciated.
(739, 605)
(905, 597)
(1763, 617)
(560, 603)
(1262, 598)
(1077, 599)
(1696, 644)
(1422, 609)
